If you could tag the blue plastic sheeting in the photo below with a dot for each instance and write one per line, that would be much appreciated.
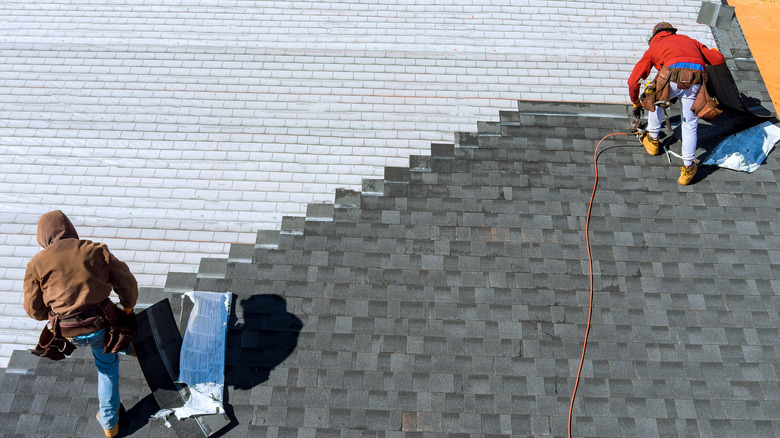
(745, 150)
(202, 362)
(203, 350)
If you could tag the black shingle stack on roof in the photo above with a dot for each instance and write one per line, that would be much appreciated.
(450, 297)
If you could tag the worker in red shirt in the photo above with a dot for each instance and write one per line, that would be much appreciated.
(683, 59)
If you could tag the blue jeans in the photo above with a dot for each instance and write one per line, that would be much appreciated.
(108, 377)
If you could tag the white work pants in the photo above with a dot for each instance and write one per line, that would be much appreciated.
(690, 122)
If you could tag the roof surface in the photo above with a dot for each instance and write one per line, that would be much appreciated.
(171, 130)
(450, 296)
(456, 302)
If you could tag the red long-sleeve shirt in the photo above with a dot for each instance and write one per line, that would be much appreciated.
(667, 48)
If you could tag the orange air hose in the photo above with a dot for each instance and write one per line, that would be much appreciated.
(590, 266)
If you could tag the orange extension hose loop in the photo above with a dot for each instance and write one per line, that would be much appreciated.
(590, 267)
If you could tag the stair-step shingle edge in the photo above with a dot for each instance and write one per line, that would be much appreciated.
(420, 163)
(573, 109)
(319, 212)
(373, 187)
(346, 198)
(268, 239)
(466, 140)
(180, 282)
(397, 175)
(443, 151)
(241, 253)
(148, 296)
(488, 128)
(212, 267)
(292, 225)
(22, 362)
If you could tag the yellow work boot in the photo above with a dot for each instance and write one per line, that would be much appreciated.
(651, 145)
(110, 433)
(687, 173)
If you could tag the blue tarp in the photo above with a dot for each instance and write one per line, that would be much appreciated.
(202, 361)
(745, 150)
(203, 350)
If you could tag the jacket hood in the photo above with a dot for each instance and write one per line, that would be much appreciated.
(54, 226)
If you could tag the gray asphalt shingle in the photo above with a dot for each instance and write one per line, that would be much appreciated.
(452, 299)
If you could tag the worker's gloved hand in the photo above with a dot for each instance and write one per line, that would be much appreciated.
(128, 311)
(635, 127)
(637, 111)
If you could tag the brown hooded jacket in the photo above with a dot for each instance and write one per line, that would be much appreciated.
(72, 274)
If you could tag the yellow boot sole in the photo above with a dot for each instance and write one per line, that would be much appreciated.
(687, 173)
(653, 147)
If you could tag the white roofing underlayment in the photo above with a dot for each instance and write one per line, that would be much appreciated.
(170, 130)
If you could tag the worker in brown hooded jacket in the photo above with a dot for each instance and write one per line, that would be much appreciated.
(71, 276)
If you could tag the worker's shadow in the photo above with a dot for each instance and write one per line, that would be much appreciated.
(261, 335)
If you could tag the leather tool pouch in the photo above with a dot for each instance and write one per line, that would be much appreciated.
(706, 106)
(656, 91)
(647, 98)
(120, 330)
(51, 344)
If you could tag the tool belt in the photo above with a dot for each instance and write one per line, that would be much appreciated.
(54, 342)
(657, 92)
(83, 322)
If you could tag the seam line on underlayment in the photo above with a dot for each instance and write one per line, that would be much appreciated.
(602, 115)
(166, 240)
(16, 331)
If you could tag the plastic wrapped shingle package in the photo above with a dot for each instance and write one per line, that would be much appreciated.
(202, 361)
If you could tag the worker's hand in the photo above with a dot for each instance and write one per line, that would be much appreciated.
(637, 111)
(128, 311)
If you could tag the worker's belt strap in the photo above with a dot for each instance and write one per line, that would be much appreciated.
(686, 77)
(657, 92)
(120, 326)
(84, 321)
(80, 316)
